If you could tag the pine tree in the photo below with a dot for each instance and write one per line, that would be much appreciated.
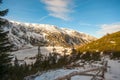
(39, 59)
(5, 47)
(16, 64)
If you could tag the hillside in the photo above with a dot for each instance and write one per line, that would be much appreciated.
(24, 35)
(108, 43)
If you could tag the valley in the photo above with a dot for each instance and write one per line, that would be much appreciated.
(58, 52)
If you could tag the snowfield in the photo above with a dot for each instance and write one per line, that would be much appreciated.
(114, 70)
(52, 75)
(113, 73)
(25, 54)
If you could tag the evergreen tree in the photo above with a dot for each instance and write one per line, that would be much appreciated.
(39, 59)
(73, 54)
(16, 64)
(5, 47)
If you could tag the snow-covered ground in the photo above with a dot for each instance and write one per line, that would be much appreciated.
(25, 54)
(114, 70)
(113, 73)
(52, 75)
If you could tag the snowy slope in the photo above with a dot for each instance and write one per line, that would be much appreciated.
(52, 75)
(22, 37)
(22, 34)
(112, 74)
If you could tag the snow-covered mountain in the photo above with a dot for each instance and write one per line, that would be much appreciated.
(26, 34)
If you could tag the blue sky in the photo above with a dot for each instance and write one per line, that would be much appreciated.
(95, 17)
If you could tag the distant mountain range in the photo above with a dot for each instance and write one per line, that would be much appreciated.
(24, 35)
(108, 43)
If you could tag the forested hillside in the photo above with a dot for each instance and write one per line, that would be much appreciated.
(108, 43)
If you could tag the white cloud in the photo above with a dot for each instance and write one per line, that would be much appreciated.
(58, 8)
(44, 17)
(109, 28)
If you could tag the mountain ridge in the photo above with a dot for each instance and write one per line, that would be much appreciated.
(22, 34)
